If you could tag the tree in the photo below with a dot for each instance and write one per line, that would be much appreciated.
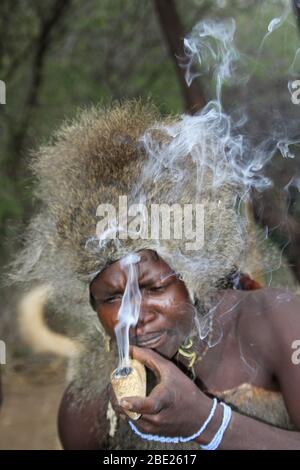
(193, 95)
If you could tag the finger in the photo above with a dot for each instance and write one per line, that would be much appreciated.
(151, 359)
(141, 405)
(115, 402)
(152, 405)
(112, 396)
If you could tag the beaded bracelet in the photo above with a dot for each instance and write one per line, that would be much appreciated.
(176, 440)
(216, 440)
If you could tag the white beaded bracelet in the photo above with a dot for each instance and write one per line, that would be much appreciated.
(216, 440)
(175, 440)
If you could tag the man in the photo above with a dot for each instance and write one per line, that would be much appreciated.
(128, 150)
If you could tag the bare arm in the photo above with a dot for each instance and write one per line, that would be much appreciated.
(244, 433)
(83, 428)
(284, 320)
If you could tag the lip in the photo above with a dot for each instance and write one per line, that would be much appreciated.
(151, 341)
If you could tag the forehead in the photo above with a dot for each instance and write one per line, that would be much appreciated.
(150, 262)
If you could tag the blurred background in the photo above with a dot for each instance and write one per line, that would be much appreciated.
(58, 55)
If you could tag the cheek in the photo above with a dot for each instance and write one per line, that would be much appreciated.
(179, 308)
(108, 316)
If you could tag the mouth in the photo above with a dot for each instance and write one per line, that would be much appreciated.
(151, 340)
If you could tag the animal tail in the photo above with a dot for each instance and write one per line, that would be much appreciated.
(34, 329)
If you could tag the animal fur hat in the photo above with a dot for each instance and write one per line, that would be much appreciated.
(127, 150)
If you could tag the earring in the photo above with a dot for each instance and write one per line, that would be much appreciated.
(107, 341)
(186, 351)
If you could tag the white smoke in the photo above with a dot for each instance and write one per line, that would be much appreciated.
(210, 45)
(128, 314)
(216, 143)
(214, 139)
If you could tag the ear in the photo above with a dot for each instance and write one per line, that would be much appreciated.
(92, 301)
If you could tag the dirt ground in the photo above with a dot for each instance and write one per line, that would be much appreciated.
(31, 397)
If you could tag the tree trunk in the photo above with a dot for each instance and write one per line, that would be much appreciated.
(173, 31)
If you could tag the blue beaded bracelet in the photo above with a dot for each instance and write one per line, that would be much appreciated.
(176, 440)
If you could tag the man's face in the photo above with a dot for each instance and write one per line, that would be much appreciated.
(166, 313)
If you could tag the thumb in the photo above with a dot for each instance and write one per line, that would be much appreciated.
(151, 405)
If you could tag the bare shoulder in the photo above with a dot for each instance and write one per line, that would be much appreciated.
(283, 320)
(270, 319)
(269, 327)
(83, 426)
(281, 309)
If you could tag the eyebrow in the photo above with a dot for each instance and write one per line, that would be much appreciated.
(115, 290)
(94, 300)
(108, 292)
(154, 278)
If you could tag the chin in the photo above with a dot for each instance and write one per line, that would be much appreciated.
(169, 347)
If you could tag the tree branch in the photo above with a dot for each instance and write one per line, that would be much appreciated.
(42, 45)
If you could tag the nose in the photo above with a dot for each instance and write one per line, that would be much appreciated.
(146, 316)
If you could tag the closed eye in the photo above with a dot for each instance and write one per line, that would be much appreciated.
(111, 300)
(156, 288)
